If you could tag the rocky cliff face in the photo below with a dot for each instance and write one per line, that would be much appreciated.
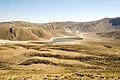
(19, 30)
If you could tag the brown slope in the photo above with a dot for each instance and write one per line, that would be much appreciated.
(22, 31)
(113, 34)
(19, 30)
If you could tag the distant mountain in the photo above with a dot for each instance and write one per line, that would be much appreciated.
(103, 25)
(20, 30)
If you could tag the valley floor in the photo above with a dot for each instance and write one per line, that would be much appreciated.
(80, 60)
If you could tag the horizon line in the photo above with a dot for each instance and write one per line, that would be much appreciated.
(31, 21)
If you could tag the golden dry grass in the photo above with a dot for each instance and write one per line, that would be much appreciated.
(61, 62)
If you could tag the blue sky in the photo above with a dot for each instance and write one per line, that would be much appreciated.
(58, 10)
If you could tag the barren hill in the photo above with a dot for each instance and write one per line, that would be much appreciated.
(20, 30)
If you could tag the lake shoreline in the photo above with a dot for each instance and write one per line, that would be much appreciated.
(30, 41)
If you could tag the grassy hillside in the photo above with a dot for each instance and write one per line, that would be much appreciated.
(90, 60)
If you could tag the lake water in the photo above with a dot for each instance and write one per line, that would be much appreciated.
(63, 40)
(57, 40)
